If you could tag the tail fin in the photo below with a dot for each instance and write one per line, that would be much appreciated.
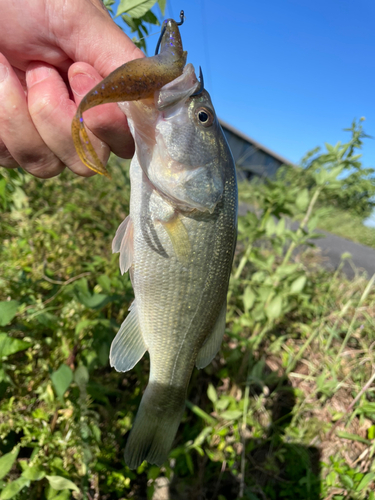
(155, 426)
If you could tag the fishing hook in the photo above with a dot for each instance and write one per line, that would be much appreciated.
(201, 82)
(182, 19)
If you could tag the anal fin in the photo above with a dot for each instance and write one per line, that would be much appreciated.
(128, 346)
(213, 342)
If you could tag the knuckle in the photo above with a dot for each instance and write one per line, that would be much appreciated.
(43, 166)
(43, 172)
(4, 153)
(6, 159)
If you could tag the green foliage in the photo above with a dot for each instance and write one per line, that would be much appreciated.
(61, 380)
(69, 299)
(7, 461)
(275, 415)
(346, 224)
(349, 186)
(137, 14)
(8, 310)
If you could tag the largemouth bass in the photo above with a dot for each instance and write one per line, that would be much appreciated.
(178, 244)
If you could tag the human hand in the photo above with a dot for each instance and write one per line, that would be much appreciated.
(52, 52)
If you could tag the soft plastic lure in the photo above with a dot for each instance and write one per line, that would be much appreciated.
(134, 80)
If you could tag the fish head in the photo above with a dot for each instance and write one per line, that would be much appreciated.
(186, 166)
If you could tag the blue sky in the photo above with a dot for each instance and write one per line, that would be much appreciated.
(291, 74)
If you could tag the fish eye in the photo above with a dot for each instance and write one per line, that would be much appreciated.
(205, 116)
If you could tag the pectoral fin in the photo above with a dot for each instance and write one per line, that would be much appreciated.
(116, 243)
(123, 243)
(179, 238)
(128, 346)
(212, 345)
(127, 248)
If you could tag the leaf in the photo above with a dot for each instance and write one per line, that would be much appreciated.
(280, 228)
(222, 404)
(33, 473)
(371, 432)
(199, 440)
(331, 176)
(132, 23)
(3, 183)
(61, 379)
(353, 437)
(162, 4)
(19, 198)
(150, 17)
(347, 481)
(286, 269)
(346, 255)
(63, 495)
(3, 376)
(248, 298)
(47, 319)
(141, 10)
(231, 414)
(270, 226)
(61, 483)
(84, 323)
(302, 199)
(366, 480)
(320, 177)
(96, 301)
(126, 5)
(96, 432)
(134, 8)
(9, 346)
(211, 393)
(11, 489)
(8, 310)
(298, 285)
(273, 310)
(105, 283)
(7, 461)
(81, 376)
(40, 414)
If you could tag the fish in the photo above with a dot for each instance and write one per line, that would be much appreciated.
(178, 244)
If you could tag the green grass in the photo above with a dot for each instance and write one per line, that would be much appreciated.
(347, 225)
(285, 410)
(329, 218)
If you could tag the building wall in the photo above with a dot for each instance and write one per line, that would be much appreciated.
(250, 158)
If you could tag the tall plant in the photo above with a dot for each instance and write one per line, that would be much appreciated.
(354, 188)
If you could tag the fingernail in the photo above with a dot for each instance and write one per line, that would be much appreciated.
(37, 75)
(3, 72)
(81, 83)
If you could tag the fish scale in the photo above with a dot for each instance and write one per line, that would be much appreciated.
(177, 302)
(179, 238)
